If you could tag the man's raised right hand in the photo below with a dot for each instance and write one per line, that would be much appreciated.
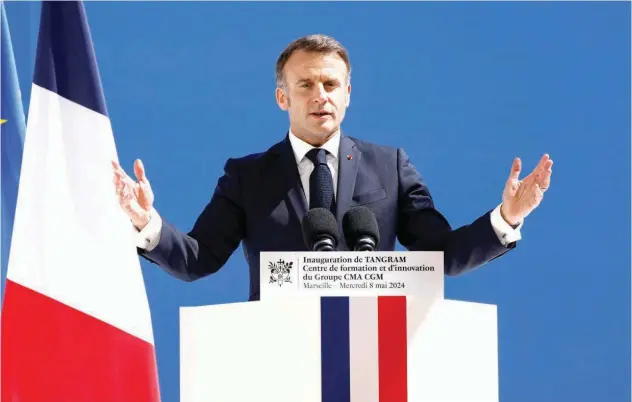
(135, 197)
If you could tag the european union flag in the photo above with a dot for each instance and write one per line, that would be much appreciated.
(12, 129)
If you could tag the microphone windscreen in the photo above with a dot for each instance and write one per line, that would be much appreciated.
(359, 222)
(318, 222)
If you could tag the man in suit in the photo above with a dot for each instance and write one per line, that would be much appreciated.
(261, 199)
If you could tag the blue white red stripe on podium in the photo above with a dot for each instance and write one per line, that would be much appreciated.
(360, 338)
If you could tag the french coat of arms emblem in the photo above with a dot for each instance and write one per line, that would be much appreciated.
(280, 272)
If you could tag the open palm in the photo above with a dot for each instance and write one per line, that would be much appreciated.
(135, 197)
(521, 197)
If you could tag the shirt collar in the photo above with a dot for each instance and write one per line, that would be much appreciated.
(301, 148)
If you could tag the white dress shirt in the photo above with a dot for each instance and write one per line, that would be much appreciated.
(148, 237)
(306, 167)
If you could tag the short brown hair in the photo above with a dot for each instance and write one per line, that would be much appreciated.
(316, 43)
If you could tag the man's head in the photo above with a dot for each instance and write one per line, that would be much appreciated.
(313, 85)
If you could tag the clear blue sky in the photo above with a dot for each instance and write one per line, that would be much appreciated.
(463, 88)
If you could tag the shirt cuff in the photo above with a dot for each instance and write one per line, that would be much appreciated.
(148, 238)
(505, 232)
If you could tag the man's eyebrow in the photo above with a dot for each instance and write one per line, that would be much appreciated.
(326, 79)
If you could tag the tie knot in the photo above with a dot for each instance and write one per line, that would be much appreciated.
(317, 156)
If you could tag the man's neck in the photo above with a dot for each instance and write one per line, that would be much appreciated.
(300, 147)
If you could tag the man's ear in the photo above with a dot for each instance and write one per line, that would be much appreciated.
(282, 99)
(348, 94)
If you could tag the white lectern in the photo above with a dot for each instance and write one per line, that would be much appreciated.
(356, 327)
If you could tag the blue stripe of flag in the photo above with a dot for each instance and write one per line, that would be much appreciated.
(65, 61)
(335, 349)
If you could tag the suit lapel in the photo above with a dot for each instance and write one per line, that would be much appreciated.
(287, 173)
(348, 163)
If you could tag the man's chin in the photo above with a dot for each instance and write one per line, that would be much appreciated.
(319, 135)
(324, 128)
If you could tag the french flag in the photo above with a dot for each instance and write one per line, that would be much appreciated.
(364, 338)
(76, 324)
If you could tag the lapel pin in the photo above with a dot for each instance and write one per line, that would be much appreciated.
(349, 157)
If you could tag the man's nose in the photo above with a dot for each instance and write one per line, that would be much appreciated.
(321, 96)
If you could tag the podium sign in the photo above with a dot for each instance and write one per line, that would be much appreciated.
(289, 274)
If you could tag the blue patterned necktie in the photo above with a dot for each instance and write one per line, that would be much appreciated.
(321, 184)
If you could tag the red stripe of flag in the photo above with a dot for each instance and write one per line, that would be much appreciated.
(392, 349)
(52, 353)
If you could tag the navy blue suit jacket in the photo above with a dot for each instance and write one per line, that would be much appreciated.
(259, 201)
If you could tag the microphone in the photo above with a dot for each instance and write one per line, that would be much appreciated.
(361, 229)
(320, 230)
